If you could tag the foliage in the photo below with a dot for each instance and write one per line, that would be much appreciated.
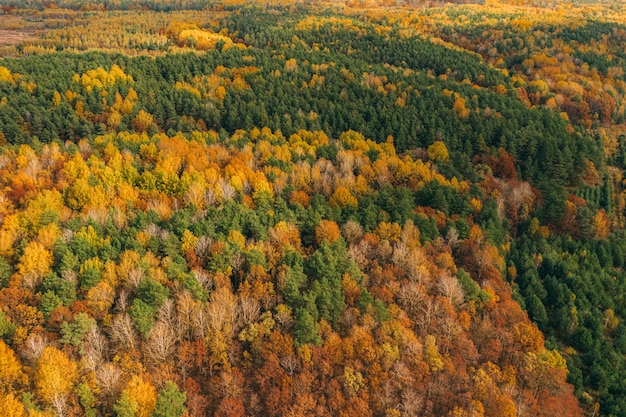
(306, 209)
(170, 402)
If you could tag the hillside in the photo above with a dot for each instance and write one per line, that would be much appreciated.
(284, 209)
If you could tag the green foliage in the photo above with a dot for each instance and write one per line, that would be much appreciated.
(87, 400)
(49, 302)
(534, 135)
(89, 277)
(144, 316)
(170, 402)
(536, 311)
(74, 332)
(472, 291)
(6, 271)
(124, 407)
(296, 282)
(443, 198)
(6, 327)
(306, 329)
(69, 261)
(568, 296)
(326, 267)
(29, 402)
(63, 289)
(152, 292)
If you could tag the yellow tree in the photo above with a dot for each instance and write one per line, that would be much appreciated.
(34, 263)
(142, 122)
(544, 370)
(11, 406)
(138, 399)
(11, 374)
(55, 377)
(343, 198)
(438, 152)
(601, 225)
(459, 107)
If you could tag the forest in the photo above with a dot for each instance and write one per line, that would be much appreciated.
(352, 208)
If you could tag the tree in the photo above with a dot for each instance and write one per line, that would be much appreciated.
(459, 107)
(230, 407)
(601, 225)
(342, 197)
(544, 370)
(138, 399)
(87, 399)
(438, 152)
(327, 265)
(11, 406)
(170, 402)
(55, 378)
(161, 343)
(125, 407)
(328, 231)
(6, 327)
(11, 374)
(306, 329)
(74, 332)
(431, 354)
(143, 121)
(35, 263)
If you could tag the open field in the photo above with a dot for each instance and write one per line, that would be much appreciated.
(15, 37)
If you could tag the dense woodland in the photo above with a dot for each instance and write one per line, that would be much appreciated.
(345, 209)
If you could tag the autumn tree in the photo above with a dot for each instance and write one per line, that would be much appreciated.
(55, 377)
(138, 399)
(12, 406)
(11, 373)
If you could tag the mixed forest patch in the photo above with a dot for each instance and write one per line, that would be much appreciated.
(312, 209)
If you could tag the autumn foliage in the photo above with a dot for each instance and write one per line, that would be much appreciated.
(356, 212)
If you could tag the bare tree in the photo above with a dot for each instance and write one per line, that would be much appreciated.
(249, 310)
(200, 323)
(161, 343)
(204, 278)
(122, 301)
(228, 192)
(168, 314)
(283, 317)
(108, 380)
(237, 262)
(186, 308)
(123, 332)
(411, 297)
(449, 286)
(59, 403)
(452, 237)
(153, 230)
(290, 363)
(34, 346)
(352, 231)
(203, 247)
(95, 348)
(210, 197)
(429, 310)
(411, 402)
(387, 396)
(356, 254)
(134, 277)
